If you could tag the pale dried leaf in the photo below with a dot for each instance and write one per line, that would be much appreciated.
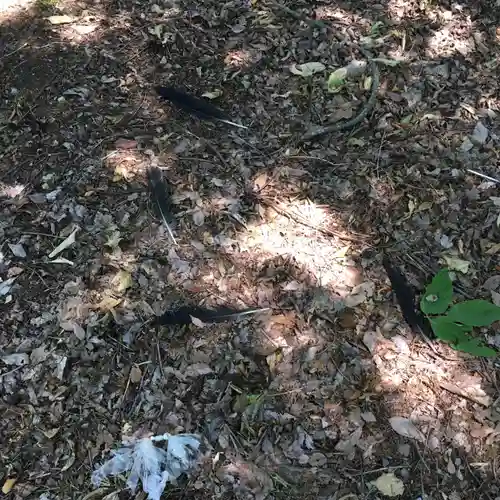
(8, 485)
(197, 370)
(307, 69)
(198, 217)
(135, 374)
(455, 264)
(492, 283)
(480, 134)
(63, 19)
(122, 281)
(404, 427)
(70, 240)
(16, 359)
(359, 294)
(389, 485)
(18, 250)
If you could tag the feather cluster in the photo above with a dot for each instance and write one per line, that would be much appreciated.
(160, 195)
(201, 108)
(405, 296)
(153, 466)
(186, 315)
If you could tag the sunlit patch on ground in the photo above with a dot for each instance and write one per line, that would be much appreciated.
(12, 6)
(279, 235)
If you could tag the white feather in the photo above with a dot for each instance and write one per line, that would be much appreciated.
(153, 466)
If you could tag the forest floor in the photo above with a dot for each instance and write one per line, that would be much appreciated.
(326, 396)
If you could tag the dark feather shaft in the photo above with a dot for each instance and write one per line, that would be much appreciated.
(196, 106)
(160, 196)
(406, 299)
(183, 315)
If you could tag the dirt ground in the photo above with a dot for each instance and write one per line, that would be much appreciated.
(326, 396)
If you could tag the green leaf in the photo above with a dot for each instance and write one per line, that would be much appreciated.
(475, 347)
(438, 294)
(474, 313)
(448, 331)
(336, 79)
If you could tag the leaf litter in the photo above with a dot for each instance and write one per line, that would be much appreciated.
(288, 403)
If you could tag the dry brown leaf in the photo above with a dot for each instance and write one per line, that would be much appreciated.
(404, 427)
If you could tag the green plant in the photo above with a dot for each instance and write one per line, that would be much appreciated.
(452, 323)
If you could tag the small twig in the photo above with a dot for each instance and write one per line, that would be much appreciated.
(209, 146)
(14, 51)
(487, 177)
(316, 158)
(379, 154)
(459, 392)
(301, 220)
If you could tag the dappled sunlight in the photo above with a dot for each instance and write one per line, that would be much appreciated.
(335, 13)
(434, 390)
(242, 58)
(13, 7)
(11, 190)
(278, 234)
(446, 43)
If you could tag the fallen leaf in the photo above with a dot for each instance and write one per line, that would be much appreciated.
(5, 286)
(307, 69)
(455, 264)
(60, 19)
(17, 359)
(38, 355)
(8, 485)
(18, 250)
(51, 433)
(492, 283)
(135, 374)
(359, 294)
(480, 134)
(404, 427)
(122, 281)
(368, 417)
(198, 217)
(389, 485)
(70, 240)
(493, 249)
(336, 79)
(107, 304)
(197, 370)
(371, 339)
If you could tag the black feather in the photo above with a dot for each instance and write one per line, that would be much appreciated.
(406, 298)
(183, 315)
(199, 107)
(160, 195)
